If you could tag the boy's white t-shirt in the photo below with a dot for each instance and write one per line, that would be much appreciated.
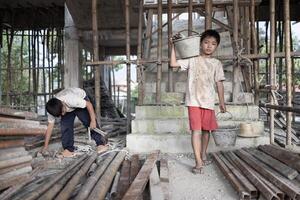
(72, 98)
(203, 73)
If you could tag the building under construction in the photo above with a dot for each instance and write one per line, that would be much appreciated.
(50, 45)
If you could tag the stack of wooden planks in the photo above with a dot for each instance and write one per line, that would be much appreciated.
(15, 161)
(111, 175)
(268, 171)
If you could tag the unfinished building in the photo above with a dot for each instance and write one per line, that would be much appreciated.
(50, 45)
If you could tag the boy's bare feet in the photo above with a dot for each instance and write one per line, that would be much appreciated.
(102, 148)
(66, 154)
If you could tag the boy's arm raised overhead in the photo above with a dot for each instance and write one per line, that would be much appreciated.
(173, 61)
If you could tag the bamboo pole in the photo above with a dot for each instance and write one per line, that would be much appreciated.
(21, 131)
(254, 47)
(159, 53)
(208, 14)
(15, 161)
(170, 33)
(128, 66)
(70, 186)
(96, 58)
(140, 71)
(288, 69)
(272, 63)
(236, 68)
(43, 188)
(85, 190)
(190, 17)
(104, 183)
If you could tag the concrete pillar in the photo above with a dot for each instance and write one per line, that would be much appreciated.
(72, 53)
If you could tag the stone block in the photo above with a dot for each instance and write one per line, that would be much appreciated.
(171, 98)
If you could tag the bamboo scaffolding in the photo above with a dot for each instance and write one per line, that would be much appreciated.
(190, 17)
(170, 33)
(140, 70)
(201, 4)
(128, 67)
(208, 14)
(287, 43)
(255, 51)
(159, 53)
(272, 80)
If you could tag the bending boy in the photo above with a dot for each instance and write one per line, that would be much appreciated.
(68, 104)
(204, 72)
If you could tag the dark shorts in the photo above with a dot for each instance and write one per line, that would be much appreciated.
(202, 119)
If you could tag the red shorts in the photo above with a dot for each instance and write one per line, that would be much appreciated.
(202, 119)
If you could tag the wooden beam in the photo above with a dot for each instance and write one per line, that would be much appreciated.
(208, 14)
(96, 58)
(138, 185)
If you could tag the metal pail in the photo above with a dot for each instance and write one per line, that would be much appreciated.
(188, 46)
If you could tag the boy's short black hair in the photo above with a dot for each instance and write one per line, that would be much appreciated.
(210, 33)
(54, 106)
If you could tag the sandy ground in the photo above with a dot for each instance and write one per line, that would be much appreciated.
(184, 185)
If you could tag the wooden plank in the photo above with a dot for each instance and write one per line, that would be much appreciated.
(124, 179)
(14, 167)
(15, 173)
(4, 111)
(156, 192)
(13, 181)
(23, 121)
(14, 161)
(164, 177)
(289, 159)
(134, 167)
(12, 152)
(22, 131)
(138, 185)
(11, 143)
(281, 168)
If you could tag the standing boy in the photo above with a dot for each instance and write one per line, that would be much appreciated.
(203, 73)
(68, 104)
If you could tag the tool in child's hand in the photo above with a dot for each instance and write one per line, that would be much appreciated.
(97, 130)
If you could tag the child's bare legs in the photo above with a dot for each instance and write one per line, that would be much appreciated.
(205, 140)
(196, 143)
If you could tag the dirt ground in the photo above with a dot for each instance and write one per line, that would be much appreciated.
(184, 185)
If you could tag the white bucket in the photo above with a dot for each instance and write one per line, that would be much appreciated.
(188, 46)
